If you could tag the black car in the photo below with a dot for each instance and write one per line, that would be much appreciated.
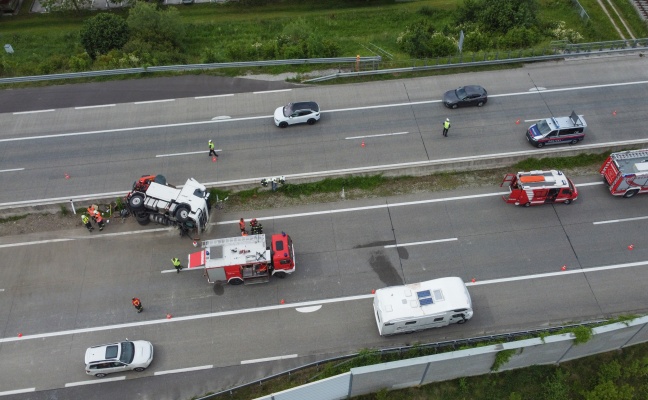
(472, 95)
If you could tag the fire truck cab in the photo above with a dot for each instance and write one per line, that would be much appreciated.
(626, 172)
(539, 187)
(245, 259)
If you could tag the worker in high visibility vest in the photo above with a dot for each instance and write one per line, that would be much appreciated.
(446, 127)
(211, 149)
(176, 264)
(137, 304)
(87, 223)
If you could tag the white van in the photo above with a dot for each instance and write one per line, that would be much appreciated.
(418, 306)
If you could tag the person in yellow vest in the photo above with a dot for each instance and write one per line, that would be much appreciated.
(446, 127)
(87, 223)
(211, 149)
(176, 264)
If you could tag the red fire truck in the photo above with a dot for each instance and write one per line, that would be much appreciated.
(245, 259)
(626, 172)
(539, 187)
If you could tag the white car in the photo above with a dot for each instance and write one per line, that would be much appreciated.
(297, 113)
(107, 359)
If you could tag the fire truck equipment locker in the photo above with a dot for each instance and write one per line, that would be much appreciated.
(626, 172)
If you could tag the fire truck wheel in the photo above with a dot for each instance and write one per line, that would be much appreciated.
(142, 218)
(280, 275)
(527, 204)
(568, 201)
(539, 145)
(630, 193)
(182, 212)
(136, 201)
(235, 281)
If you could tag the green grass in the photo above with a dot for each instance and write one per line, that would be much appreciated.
(583, 160)
(13, 218)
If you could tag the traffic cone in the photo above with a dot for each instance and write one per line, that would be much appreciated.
(19, 334)
(614, 113)
(517, 122)
(472, 280)
(195, 244)
(564, 268)
(282, 301)
(363, 145)
(67, 176)
(631, 247)
(373, 291)
(169, 316)
(213, 159)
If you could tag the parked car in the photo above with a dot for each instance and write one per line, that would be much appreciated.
(472, 95)
(110, 358)
(297, 113)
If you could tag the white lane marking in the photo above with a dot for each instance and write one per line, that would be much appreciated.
(418, 243)
(533, 120)
(88, 107)
(184, 154)
(154, 101)
(273, 91)
(33, 112)
(378, 135)
(167, 271)
(93, 236)
(302, 304)
(177, 371)
(1, 290)
(12, 170)
(222, 117)
(17, 391)
(309, 309)
(96, 380)
(213, 96)
(259, 360)
(613, 221)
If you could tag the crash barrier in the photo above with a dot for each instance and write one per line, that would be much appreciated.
(502, 57)
(415, 168)
(419, 371)
(191, 67)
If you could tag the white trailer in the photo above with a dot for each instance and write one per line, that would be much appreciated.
(418, 306)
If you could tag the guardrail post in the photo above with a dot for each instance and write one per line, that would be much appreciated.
(73, 209)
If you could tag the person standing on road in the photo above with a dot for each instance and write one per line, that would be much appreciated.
(176, 264)
(446, 127)
(87, 223)
(242, 225)
(211, 149)
(137, 304)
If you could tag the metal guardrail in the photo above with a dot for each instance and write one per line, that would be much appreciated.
(190, 67)
(569, 51)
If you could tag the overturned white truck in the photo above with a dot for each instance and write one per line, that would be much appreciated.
(153, 199)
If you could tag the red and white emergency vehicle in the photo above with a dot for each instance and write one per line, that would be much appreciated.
(626, 172)
(539, 187)
(245, 259)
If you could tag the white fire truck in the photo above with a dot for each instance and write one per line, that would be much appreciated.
(626, 172)
(418, 306)
(539, 187)
(153, 199)
(245, 259)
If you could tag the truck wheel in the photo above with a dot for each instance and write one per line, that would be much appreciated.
(568, 201)
(235, 281)
(280, 275)
(136, 201)
(539, 145)
(142, 218)
(630, 193)
(182, 212)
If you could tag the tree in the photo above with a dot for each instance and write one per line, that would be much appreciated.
(102, 33)
(65, 5)
(162, 30)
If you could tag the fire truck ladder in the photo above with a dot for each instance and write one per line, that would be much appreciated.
(238, 240)
(631, 154)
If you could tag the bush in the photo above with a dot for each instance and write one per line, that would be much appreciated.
(80, 62)
(102, 33)
(518, 37)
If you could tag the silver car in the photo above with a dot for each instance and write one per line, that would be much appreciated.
(297, 113)
(107, 359)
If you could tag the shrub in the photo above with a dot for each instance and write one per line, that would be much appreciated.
(518, 37)
(80, 62)
(102, 33)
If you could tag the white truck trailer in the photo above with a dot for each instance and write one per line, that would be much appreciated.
(418, 306)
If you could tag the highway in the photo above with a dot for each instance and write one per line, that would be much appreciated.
(61, 292)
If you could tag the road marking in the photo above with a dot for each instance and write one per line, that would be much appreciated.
(12, 170)
(308, 309)
(184, 154)
(97, 380)
(177, 371)
(533, 120)
(213, 96)
(222, 117)
(154, 101)
(371, 136)
(87, 107)
(418, 243)
(613, 221)
(258, 360)
(33, 112)
(301, 304)
(17, 391)
(273, 91)
(95, 236)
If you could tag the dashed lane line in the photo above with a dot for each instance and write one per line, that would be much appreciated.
(184, 154)
(33, 112)
(93, 236)
(12, 170)
(614, 221)
(177, 371)
(378, 135)
(90, 107)
(102, 380)
(260, 360)
(154, 101)
(213, 96)
(273, 91)
(17, 391)
(419, 243)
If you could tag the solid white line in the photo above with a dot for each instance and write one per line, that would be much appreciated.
(12, 170)
(613, 221)
(273, 91)
(154, 101)
(96, 380)
(371, 136)
(184, 154)
(17, 391)
(87, 107)
(1, 290)
(93, 236)
(33, 112)
(35, 242)
(258, 360)
(211, 97)
(301, 304)
(177, 371)
(418, 243)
